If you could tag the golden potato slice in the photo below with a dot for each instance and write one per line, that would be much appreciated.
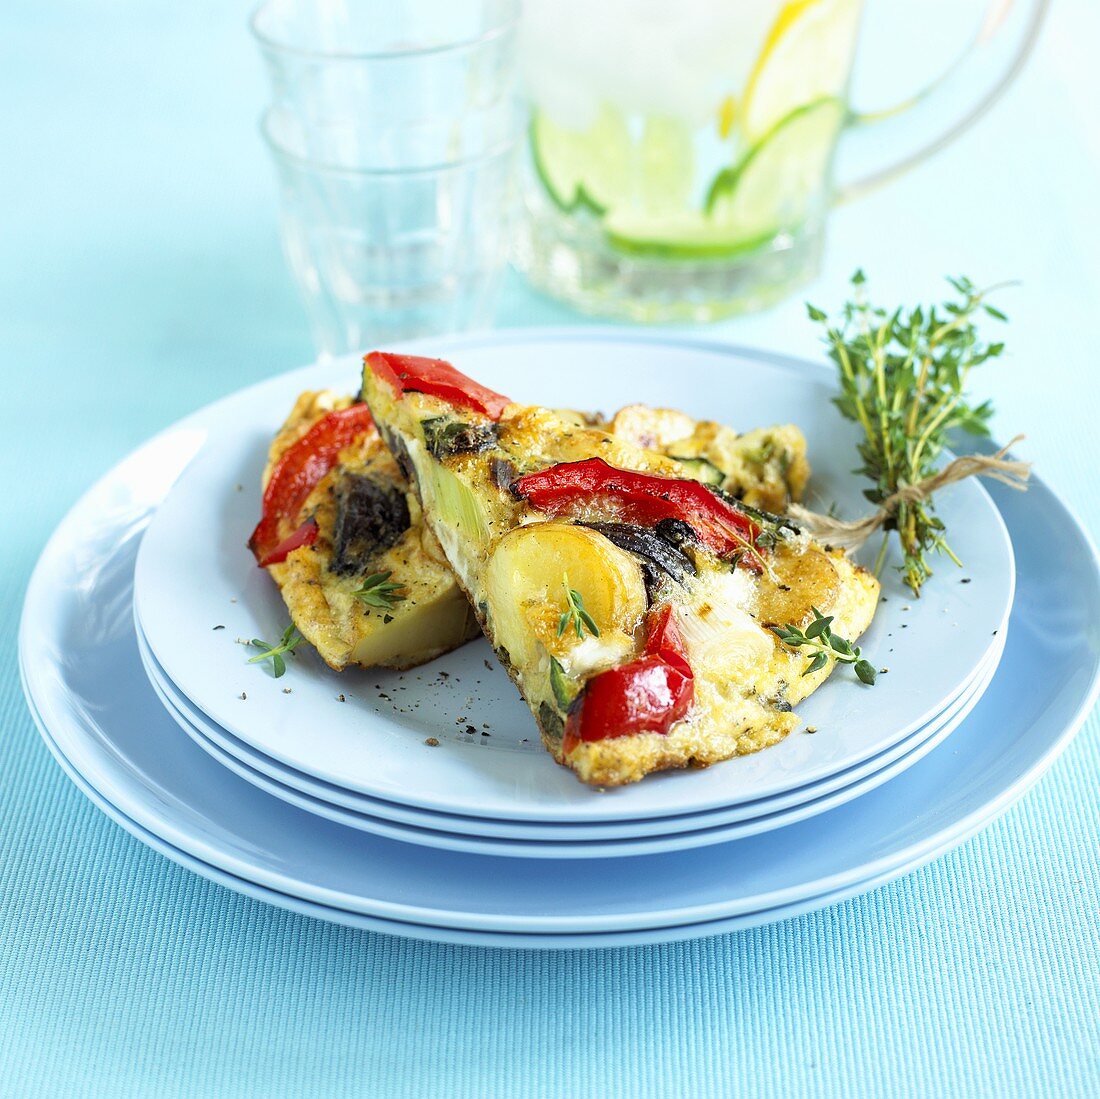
(525, 591)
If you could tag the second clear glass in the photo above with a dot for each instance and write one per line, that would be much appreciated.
(386, 254)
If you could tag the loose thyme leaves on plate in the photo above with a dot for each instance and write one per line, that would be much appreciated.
(290, 640)
(575, 615)
(819, 639)
(379, 591)
(903, 379)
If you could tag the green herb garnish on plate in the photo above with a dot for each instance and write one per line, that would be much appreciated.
(288, 643)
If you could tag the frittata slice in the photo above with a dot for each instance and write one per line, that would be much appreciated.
(631, 604)
(367, 531)
(364, 522)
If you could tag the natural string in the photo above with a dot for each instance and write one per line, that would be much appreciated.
(852, 535)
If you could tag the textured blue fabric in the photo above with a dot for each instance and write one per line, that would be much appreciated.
(140, 277)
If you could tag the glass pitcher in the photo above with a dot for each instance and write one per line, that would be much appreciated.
(681, 155)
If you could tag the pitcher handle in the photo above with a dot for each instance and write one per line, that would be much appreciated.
(903, 121)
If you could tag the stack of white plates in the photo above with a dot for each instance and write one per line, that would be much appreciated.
(422, 803)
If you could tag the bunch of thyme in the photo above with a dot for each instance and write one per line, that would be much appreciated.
(903, 379)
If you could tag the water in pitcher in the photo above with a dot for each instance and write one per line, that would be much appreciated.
(674, 147)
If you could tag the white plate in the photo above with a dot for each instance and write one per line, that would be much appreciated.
(527, 840)
(461, 835)
(88, 692)
(194, 573)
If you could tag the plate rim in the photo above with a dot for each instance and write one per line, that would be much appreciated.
(522, 940)
(569, 844)
(612, 847)
(496, 939)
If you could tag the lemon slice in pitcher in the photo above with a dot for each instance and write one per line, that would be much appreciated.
(771, 189)
(806, 57)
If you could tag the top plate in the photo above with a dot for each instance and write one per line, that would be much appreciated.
(365, 730)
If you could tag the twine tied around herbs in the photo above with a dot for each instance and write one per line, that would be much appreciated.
(852, 535)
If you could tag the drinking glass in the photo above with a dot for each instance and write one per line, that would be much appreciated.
(682, 156)
(386, 253)
(394, 129)
(389, 63)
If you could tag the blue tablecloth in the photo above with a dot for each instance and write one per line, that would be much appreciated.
(140, 277)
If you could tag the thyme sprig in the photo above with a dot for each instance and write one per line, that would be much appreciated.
(818, 638)
(378, 591)
(575, 615)
(903, 379)
(290, 640)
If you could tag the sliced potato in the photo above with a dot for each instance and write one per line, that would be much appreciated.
(525, 586)
(650, 428)
(419, 631)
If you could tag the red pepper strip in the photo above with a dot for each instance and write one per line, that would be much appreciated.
(572, 488)
(305, 535)
(295, 476)
(413, 374)
(648, 695)
(663, 638)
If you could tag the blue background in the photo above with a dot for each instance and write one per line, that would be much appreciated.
(140, 277)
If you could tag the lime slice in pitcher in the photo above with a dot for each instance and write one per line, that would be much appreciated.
(689, 235)
(582, 168)
(807, 56)
(775, 183)
(771, 189)
(665, 167)
(604, 168)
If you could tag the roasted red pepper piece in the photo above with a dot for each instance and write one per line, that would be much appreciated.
(305, 535)
(413, 374)
(648, 695)
(295, 476)
(663, 637)
(580, 488)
